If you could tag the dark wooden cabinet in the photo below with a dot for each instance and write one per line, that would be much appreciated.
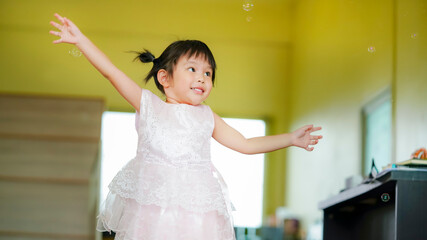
(391, 207)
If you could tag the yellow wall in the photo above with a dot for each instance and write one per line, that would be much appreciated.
(296, 62)
(252, 57)
(411, 78)
(334, 76)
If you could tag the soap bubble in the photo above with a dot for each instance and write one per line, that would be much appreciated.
(248, 5)
(371, 49)
(75, 52)
(414, 35)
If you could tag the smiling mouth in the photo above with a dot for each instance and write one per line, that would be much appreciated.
(198, 90)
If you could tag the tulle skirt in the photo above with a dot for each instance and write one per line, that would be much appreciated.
(131, 220)
(148, 200)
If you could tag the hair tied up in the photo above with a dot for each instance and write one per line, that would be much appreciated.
(146, 57)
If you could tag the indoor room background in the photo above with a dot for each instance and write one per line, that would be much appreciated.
(288, 62)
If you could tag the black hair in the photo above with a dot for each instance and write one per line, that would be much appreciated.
(170, 56)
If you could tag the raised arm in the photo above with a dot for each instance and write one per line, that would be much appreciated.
(231, 138)
(70, 33)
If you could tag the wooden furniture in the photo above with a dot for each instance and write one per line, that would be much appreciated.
(49, 167)
(393, 207)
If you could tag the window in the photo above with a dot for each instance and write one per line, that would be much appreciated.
(119, 141)
(377, 133)
(244, 174)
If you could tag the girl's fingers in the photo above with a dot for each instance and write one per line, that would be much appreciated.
(308, 127)
(55, 33)
(70, 23)
(61, 19)
(55, 24)
(316, 129)
(315, 137)
(66, 22)
(57, 41)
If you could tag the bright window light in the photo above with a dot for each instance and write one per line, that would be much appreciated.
(119, 142)
(244, 174)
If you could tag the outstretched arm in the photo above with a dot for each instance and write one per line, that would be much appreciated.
(231, 138)
(70, 33)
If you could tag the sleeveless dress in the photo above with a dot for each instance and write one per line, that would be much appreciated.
(170, 189)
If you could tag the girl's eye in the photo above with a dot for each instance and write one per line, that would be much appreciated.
(192, 69)
(208, 74)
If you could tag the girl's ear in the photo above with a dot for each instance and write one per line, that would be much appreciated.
(163, 78)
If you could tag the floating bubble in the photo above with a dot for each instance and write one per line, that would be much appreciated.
(414, 35)
(371, 49)
(248, 5)
(75, 52)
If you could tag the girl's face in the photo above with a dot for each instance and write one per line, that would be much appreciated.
(191, 82)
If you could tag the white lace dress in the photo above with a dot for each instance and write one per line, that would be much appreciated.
(170, 190)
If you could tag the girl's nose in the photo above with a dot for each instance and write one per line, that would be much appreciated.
(201, 80)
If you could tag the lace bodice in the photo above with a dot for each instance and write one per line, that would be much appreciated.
(174, 134)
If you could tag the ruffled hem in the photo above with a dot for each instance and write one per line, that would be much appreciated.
(151, 183)
(133, 221)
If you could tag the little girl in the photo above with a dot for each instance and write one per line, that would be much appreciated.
(171, 190)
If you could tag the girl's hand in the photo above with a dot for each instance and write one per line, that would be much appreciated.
(69, 32)
(302, 137)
